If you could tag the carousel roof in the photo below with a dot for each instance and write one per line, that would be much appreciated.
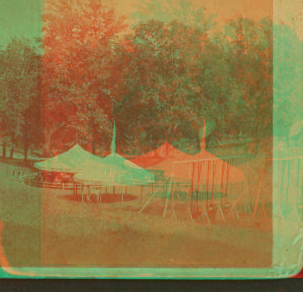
(71, 161)
(113, 170)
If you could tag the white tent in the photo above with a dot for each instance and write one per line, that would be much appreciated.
(71, 161)
(113, 170)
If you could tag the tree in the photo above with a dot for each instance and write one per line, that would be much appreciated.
(19, 79)
(78, 43)
(158, 80)
(249, 54)
(288, 74)
(166, 11)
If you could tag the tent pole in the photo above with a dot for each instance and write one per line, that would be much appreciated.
(167, 199)
(206, 214)
(173, 205)
(207, 181)
(238, 199)
(192, 188)
(215, 165)
(258, 194)
(150, 198)
(198, 187)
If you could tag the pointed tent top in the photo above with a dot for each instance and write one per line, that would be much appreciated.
(113, 144)
(157, 156)
(114, 169)
(73, 160)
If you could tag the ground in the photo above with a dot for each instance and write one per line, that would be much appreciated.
(52, 228)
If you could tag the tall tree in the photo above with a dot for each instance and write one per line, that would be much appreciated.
(19, 79)
(288, 76)
(78, 43)
(158, 80)
(249, 54)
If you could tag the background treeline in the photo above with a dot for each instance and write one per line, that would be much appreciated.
(157, 79)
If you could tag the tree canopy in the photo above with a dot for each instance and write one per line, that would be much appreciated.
(158, 80)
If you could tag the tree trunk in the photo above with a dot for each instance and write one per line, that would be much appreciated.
(25, 149)
(11, 155)
(4, 149)
(25, 153)
(93, 146)
(48, 138)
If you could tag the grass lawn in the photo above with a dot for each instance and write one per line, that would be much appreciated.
(53, 228)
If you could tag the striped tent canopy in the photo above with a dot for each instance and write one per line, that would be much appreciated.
(169, 161)
(71, 161)
(204, 168)
(157, 156)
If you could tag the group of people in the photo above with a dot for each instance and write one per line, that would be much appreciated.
(56, 178)
(88, 194)
(18, 174)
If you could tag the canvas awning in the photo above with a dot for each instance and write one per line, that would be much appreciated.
(71, 161)
(113, 170)
(204, 168)
(167, 163)
(157, 156)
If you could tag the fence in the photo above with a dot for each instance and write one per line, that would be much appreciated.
(31, 181)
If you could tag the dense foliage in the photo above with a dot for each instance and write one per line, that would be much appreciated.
(159, 80)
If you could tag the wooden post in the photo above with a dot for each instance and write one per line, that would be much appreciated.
(237, 215)
(247, 187)
(142, 191)
(221, 213)
(258, 194)
(206, 214)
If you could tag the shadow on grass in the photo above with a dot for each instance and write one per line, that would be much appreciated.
(182, 196)
(103, 199)
(19, 162)
(22, 245)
